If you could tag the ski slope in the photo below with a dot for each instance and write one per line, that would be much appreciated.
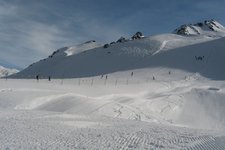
(158, 51)
(182, 111)
(160, 92)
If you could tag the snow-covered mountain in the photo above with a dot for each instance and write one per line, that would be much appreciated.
(7, 71)
(207, 28)
(160, 92)
(203, 53)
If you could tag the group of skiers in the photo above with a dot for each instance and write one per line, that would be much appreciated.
(38, 77)
(106, 76)
(199, 58)
(131, 74)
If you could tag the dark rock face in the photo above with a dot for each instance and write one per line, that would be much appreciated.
(182, 30)
(137, 35)
(121, 40)
(91, 41)
(106, 46)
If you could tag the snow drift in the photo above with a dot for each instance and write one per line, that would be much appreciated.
(191, 103)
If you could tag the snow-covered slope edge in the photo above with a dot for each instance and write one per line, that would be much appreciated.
(7, 71)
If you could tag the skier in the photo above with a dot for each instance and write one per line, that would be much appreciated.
(132, 73)
(49, 78)
(153, 78)
(37, 77)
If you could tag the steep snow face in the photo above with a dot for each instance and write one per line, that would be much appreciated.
(6, 71)
(207, 28)
(191, 54)
(72, 50)
(82, 47)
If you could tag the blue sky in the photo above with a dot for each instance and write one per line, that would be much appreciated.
(32, 29)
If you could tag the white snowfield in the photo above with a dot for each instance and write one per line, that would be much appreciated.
(171, 112)
(82, 47)
(160, 92)
(146, 53)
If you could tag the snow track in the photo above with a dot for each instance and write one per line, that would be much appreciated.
(44, 130)
(154, 115)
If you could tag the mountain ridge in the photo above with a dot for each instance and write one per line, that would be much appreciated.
(92, 59)
(207, 27)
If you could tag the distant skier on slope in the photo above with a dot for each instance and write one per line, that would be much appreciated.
(132, 73)
(37, 77)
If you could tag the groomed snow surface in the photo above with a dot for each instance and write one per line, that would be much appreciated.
(177, 110)
(159, 92)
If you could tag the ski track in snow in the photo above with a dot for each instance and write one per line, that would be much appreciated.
(44, 130)
(161, 47)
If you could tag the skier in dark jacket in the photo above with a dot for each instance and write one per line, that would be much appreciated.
(37, 77)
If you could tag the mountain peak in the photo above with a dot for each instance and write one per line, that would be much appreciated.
(207, 27)
(6, 71)
(92, 59)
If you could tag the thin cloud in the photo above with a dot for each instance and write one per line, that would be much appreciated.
(25, 40)
(31, 30)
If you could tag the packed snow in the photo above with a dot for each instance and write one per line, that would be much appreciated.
(160, 92)
(175, 111)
